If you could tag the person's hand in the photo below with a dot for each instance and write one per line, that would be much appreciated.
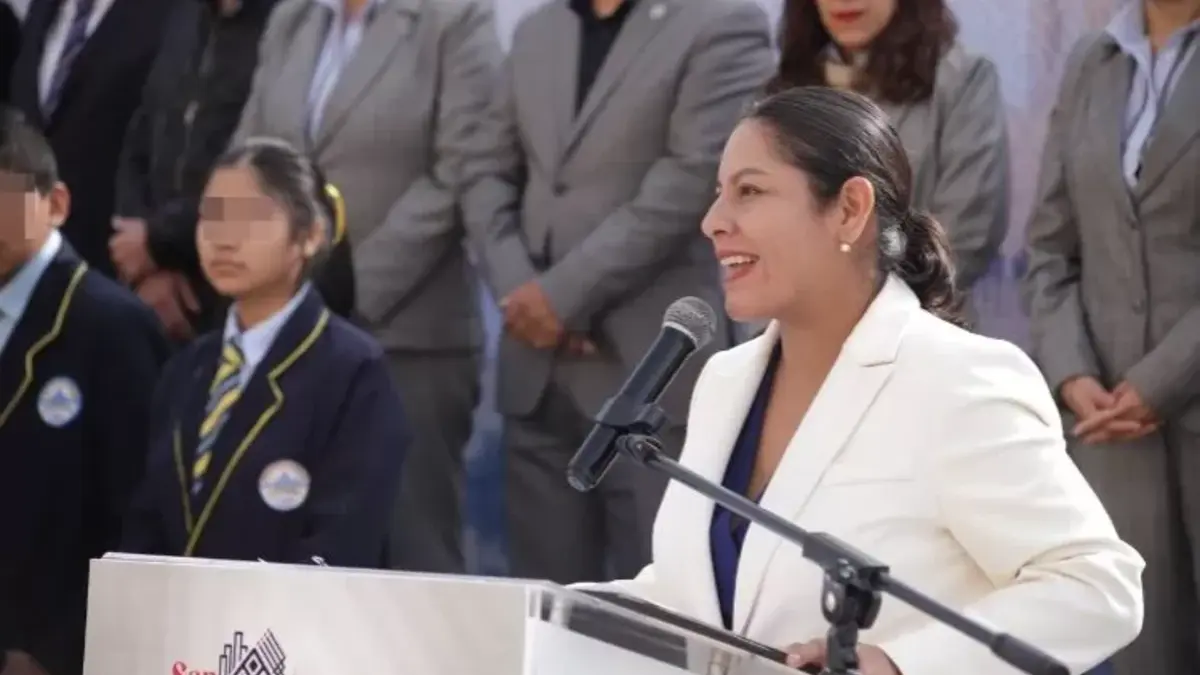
(129, 250)
(20, 663)
(579, 345)
(170, 296)
(529, 317)
(871, 659)
(1126, 419)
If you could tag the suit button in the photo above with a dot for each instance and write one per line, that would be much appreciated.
(1139, 306)
(560, 189)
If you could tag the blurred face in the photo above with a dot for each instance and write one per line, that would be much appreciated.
(854, 24)
(778, 249)
(244, 239)
(26, 218)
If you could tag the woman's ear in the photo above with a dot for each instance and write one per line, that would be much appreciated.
(856, 204)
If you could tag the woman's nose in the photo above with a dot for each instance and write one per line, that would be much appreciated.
(715, 221)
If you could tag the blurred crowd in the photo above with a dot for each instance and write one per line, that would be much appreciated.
(569, 175)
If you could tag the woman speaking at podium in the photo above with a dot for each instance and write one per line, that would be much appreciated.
(280, 437)
(866, 412)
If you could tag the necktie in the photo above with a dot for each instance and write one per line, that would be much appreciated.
(224, 392)
(76, 38)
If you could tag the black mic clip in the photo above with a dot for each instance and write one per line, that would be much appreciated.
(626, 416)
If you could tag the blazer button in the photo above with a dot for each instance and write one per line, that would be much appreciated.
(560, 189)
(1139, 306)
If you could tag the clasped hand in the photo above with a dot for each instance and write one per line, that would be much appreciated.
(529, 317)
(1104, 417)
(871, 659)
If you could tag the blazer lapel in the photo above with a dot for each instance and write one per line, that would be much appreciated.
(189, 416)
(36, 330)
(290, 97)
(380, 48)
(860, 372)
(1176, 131)
(709, 449)
(561, 79)
(642, 24)
(1108, 112)
(119, 17)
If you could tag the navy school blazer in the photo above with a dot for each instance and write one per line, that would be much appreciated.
(76, 381)
(307, 465)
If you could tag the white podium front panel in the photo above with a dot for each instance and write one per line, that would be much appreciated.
(173, 616)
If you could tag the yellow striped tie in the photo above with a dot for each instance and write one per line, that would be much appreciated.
(224, 392)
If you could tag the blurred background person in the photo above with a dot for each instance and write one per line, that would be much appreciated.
(382, 94)
(1114, 294)
(79, 78)
(79, 356)
(286, 419)
(10, 45)
(944, 100)
(190, 108)
(594, 167)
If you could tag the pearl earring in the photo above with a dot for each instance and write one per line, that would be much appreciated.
(845, 248)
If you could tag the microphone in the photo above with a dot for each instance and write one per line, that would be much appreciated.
(688, 325)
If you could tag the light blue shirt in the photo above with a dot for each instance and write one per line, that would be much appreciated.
(1154, 79)
(341, 43)
(256, 342)
(15, 295)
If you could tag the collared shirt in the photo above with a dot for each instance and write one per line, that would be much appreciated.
(1154, 79)
(56, 38)
(597, 35)
(342, 40)
(15, 295)
(256, 342)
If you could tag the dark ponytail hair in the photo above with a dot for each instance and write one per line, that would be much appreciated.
(833, 136)
(335, 281)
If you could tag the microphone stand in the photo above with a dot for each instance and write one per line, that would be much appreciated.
(854, 583)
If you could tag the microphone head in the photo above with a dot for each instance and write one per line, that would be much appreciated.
(694, 318)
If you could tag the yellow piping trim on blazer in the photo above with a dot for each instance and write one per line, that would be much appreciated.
(196, 529)
(339, 213)
(60, 317)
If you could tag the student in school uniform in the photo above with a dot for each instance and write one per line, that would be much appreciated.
(79, 358)
(279, 437)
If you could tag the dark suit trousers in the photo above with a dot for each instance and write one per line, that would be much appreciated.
(439, 391)
(557, 533)
(1151, 489)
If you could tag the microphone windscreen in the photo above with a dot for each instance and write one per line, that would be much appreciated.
(694, 318)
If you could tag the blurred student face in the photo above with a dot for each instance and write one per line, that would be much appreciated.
(854, 24)
(780, 250)
(244, 239)
(26, 218)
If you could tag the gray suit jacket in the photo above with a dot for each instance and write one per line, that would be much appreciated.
(603, 207)
(1113, 283)
(957, 144)
(392, 138)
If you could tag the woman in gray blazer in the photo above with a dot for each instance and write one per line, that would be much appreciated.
(944, 101)
(1113, 287)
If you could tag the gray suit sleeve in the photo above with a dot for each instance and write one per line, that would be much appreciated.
(971, 198)
(422, 225)
(1050, 289)
(494, 177)
(730, 62)
(1167, 378)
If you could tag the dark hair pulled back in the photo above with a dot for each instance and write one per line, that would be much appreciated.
(833, 136)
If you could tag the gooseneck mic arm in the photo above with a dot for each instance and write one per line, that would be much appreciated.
(854, 581)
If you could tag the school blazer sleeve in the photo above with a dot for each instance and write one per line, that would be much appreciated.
(1013, 499)
(1050, 287)
(971, 197)
(356, 478)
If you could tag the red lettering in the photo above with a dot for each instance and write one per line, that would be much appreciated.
(181, 668)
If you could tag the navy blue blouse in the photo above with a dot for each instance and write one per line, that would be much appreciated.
(728, 530)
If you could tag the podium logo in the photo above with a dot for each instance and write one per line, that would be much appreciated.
(266, 657)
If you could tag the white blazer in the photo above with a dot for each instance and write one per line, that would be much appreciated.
(941, 453)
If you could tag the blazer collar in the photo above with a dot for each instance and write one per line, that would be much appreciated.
(859, 373)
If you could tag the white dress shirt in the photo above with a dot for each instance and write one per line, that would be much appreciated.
(56, 38)
(256, 342)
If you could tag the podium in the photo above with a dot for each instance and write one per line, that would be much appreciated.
(184, 616)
